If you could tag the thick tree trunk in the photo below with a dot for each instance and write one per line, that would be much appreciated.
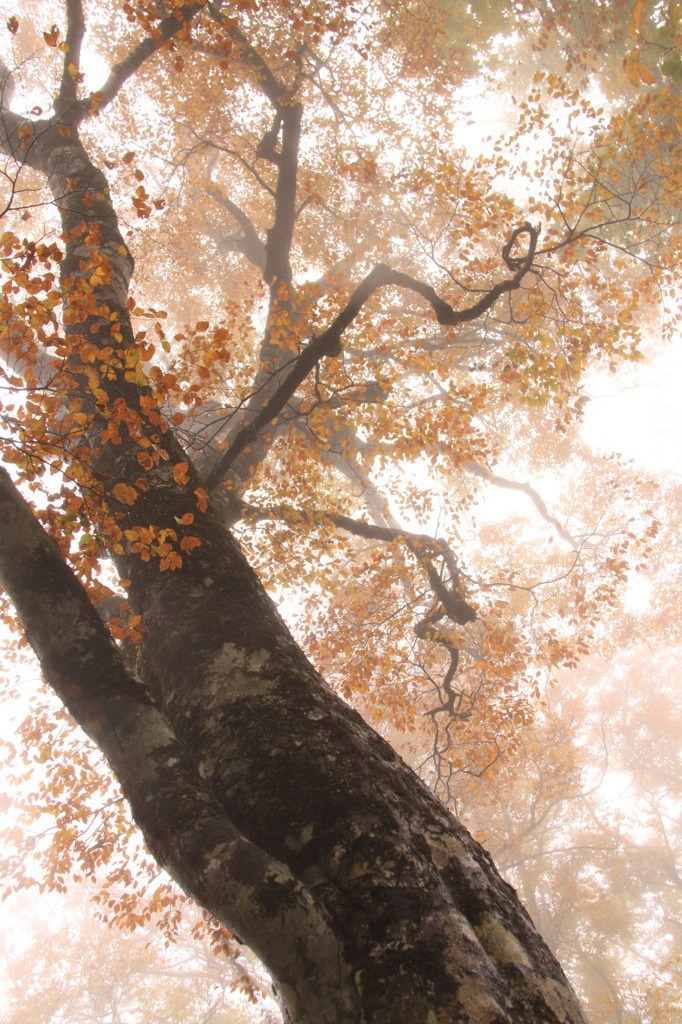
(423, 919)
(263, 794)
(277, 807)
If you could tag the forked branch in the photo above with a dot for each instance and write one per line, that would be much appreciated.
(514, 485)
(444, 583)
(425, 548)
(328, 344)
(249, 242)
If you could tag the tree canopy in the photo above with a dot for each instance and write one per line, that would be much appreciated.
(262, 271)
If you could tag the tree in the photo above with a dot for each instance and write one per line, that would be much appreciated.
(264, 795)
(100, 978)
(590, 844)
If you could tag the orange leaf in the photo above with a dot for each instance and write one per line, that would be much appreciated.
(170, 561)
(188, 543)
(125, 494)
(635, 71)
(180, 473)
(51, 36)
(647, 76)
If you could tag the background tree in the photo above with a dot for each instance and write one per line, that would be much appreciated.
(589, 842)
(313, 384)
(105, 978)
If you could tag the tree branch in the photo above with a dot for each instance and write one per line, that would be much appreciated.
(186, 829)
(329, 342)
(75, 30)
(6, 86)
(280, 235)
(239, 158)
(249, 243)
(514, 485)
(247, 54)
(287, 125)
(449, 602)
(422, 545)
(126, 68)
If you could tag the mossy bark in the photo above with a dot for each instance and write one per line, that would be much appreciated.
(264, 795)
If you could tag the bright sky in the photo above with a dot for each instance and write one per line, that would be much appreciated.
(638, 412)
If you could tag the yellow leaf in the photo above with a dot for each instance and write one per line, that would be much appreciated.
(631, 65)
(646, 76)
(636, 72)
(634, 26)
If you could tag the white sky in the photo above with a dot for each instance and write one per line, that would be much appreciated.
(638, 412)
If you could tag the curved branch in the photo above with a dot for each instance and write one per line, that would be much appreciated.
(449, 602)
(422, 545)
(514, 485)
(328, 344)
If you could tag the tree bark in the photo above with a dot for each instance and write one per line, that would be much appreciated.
(263, 794)
(277, 807)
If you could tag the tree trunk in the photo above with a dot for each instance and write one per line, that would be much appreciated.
(261, 792)
(277, 807)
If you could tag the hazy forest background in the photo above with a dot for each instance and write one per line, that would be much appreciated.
(551, 724)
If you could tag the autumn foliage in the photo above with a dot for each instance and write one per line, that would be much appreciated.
(355, 328)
